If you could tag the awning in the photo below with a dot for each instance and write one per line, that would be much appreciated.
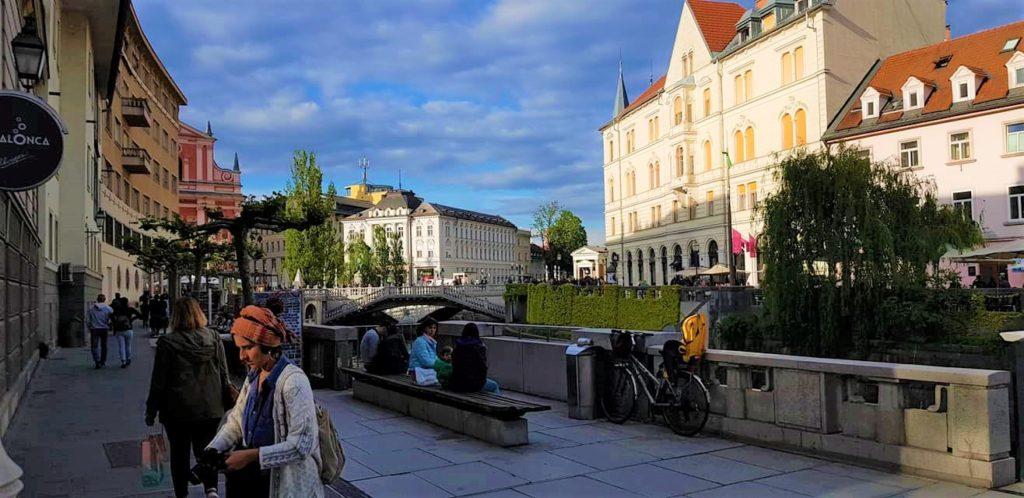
(1004, 251)
(717, 270)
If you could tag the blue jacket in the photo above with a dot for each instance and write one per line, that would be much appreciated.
(424, 353)
(98, 317)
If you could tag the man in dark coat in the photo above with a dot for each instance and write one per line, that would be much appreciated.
(392, 357)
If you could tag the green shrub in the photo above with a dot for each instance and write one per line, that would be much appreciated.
(740, 331)
(603, 307)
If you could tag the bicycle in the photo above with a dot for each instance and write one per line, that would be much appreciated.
(678, 393)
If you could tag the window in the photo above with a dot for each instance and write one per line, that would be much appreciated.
(611, 191)
(910, 154)
(962, 202)
(752, 194)
(689, 113)
(711, 202)
(679, 161)
(653, 175)
(675, 210)
(738, 89)
(691, 210)
(787, 68)
(1017, 202)
(748, 141)
(943, 61)
(738, 147)
(787, 131)
(964, 90)
(1015, 138)
(741, 197)
(960, 146)
(655, 218)
(871, 109)
(630, 141)
(707, 155)
(707, 102)
(611, 228)
(913, 99)
(677, 110)
(1010, 44)
(611, 150)
(800, 126)
(748, 84)
(1019, 76)
(798, 63)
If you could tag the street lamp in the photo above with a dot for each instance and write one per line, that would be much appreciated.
(29, 53)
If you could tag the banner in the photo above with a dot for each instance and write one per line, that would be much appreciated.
(292, 318)
(31, 141)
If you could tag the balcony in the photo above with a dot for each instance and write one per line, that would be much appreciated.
(135, 160)
(136, 112)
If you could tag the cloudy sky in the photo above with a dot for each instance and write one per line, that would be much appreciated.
(490, 105)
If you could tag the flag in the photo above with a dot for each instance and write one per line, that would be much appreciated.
(752, 247)
(738, 242)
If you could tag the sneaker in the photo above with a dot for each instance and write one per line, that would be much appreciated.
(99, 365)
(212, 493)
(124, 364)
(129, 362)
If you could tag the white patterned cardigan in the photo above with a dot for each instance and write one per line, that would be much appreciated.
(294, 458)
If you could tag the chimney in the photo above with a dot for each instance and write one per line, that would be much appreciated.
(949, 33)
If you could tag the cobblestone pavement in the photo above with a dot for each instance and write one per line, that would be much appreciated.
(78, 430)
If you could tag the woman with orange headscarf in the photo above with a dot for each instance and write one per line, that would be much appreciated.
(271, 434)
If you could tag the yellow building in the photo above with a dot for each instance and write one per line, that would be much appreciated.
(140, 152)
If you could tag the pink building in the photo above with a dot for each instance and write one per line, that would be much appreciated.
(953, 112)
(204, 184)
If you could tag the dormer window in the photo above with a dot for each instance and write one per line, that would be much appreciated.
(871, 111)
(872, 102)
(965, 82)
(1015, 70)
(916, 92)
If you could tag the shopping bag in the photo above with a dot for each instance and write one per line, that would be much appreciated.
(426, 377)
(156, 461)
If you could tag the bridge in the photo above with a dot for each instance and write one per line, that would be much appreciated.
(342, 303)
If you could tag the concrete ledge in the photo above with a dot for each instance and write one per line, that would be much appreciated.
(492, 430)
(917, 461)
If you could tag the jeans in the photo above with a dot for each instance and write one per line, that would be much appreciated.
(124, 344)
(98, 341)
(181, 436)
(491, 387)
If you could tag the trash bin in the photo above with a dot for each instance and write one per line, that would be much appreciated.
(582, 361)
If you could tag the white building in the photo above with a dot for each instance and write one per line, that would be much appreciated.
(441, 242)
(752, 83)
(589, 261)
(953, 113)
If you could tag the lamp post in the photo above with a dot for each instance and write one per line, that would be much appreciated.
(29, 53)
(728, 220)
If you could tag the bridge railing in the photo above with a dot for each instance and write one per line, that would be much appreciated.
(468, 296)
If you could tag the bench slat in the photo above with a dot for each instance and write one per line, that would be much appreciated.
(483, 403)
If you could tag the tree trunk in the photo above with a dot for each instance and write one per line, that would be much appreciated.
(172, 284)
(197, 270)
(242, 259)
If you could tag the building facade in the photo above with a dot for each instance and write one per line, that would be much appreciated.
(204, 185)
(742, 87)
(139, 146)
(441, 243)
(952, 113)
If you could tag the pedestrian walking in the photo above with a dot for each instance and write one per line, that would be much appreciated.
(144, 307)
(158, 315)
(189, 390)
(99, 327)
(121, 324)
(271, 435)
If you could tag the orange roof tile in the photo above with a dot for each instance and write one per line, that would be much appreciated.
(650, 93)
(981, 52)
(717, 21)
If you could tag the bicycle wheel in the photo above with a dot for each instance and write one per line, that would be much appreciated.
(687, 413)
(618, 398)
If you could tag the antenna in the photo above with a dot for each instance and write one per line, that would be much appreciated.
(364, 163)
(652, 71)
(399, 178)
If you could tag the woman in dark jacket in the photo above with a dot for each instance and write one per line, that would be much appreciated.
(469, 364)
(158, 315)
(189, 390)
(392, 357)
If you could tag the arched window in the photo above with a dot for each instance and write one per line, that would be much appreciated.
(694, 255)
(657, 173)
(748, 84)
(801, 127)
(611, 151)
(738, 148)
(652, 262)
(748, 141)
(677, 110)
(664, 266)
(787, 68)
(798, 62)
(651, 178)
(629, 268)
(640, 265)
(787, 131)
(707, 155)
(632, 182)
(677, 257)
(712, 253)
(611, 189)
(679, 161)
(707, 102)
(738, 88)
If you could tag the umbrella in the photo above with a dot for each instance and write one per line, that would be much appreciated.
(717, 270)
(688, 272)
(298, 283)
(1005, 251)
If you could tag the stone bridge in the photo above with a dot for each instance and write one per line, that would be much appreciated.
(333, 305)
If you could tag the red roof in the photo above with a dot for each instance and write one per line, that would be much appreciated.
(980, 52)
(717, 21)
(650, 93)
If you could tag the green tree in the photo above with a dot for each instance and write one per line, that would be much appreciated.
(360, 263)
(164, 255)
(382, 267)
(565, 236)
(846, 240)
(543, 219)
(396, 259)
(317, 251)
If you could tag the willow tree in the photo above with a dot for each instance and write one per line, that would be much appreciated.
(316, 251)
(844, 238)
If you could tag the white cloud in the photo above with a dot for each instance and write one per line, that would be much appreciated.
(219, 55)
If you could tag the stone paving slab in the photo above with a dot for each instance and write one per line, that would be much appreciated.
(652, 481)
(574, 486)
(816, 483)
(716, 469)
(403, 486)
(746, 490)
(772, 459)
(470, 478)
(536, 467)
(605, 456)
(401, 461)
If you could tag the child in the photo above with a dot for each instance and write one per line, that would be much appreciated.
(443, 365)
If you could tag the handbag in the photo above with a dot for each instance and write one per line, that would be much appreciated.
(426, 377)
(156, 461)
(228, 392)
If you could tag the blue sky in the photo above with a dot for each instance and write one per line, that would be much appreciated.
(490, 105)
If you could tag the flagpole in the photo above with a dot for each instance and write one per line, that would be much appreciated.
(728, 219)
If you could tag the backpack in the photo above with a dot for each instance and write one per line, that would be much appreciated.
(332, 455)
(120, 321)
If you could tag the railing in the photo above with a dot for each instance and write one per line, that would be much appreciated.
(134, 102)
(458, 294)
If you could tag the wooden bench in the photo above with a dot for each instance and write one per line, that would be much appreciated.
(488, 417)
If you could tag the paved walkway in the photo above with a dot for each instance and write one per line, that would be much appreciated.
(77, 434)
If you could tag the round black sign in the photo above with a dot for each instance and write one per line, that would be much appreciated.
(31, 141)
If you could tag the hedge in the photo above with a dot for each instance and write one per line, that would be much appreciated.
(601, 307)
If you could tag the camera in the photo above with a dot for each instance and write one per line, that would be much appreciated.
(208, 463)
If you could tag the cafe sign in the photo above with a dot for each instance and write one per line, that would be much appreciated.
(31, 141)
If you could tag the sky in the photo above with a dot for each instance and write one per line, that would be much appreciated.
(490, 105)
